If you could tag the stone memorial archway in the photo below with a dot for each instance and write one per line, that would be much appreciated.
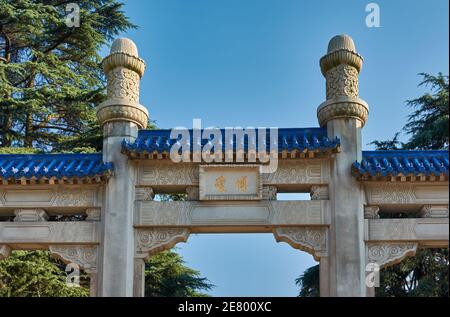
(123, 224)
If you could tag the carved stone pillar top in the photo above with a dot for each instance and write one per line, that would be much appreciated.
(30, 215)
(341, 66)
(124, 70)
(341, 51)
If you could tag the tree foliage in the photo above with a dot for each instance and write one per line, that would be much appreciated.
(428, 124)
(36, 274)
(167, 276)
(308, 282)
(425, 274)
(50, 73)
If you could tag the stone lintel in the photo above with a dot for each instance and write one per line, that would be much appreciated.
(46, 233)
(428, 232)
(231, 214)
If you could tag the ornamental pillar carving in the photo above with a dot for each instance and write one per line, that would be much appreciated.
(124, 70)
(121, 116)
(344, 114)
(341, 66)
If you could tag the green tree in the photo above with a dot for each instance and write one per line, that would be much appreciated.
(50, 73)
(428, 124)
(37, 274)
(308, 282)
(167, 276)
(425, 274)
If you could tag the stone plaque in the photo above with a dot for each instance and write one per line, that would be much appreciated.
(230, 182)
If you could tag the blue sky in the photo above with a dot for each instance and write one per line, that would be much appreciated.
(256, 63)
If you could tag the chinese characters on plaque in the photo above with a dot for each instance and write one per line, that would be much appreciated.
(230, 182)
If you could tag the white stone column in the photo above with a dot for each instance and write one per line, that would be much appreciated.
(93, 283)
(324, 277)
(344, 114)
(121, 116)
(139, 277)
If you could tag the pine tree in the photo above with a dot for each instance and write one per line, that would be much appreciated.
(50, 74)
(167, 276)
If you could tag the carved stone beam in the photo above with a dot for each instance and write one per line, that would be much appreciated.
(388, 193)
(50, 233)
(93, 214)
(83, 256)
(30, 215)
(385, 254)
(433, 211)
(427, 232)
(5, 251)
(149, 241)
(319, 192)
(371, 212)
(313, 240)
(205, 214)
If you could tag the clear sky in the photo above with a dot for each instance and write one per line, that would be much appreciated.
(256, 63)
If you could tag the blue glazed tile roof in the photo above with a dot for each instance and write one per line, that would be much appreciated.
(46, 166)
(299, 139)
(402, 163)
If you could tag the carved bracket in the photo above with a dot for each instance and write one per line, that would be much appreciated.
(93, 214)
(30, 215)
(153, 240)
(313, 240)
(432, 211)
(84, 256)
(319, 192)
(270, 192)
(389, 253)
(371, 212)
(5, 251)
(144, 193)
(193, 193)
